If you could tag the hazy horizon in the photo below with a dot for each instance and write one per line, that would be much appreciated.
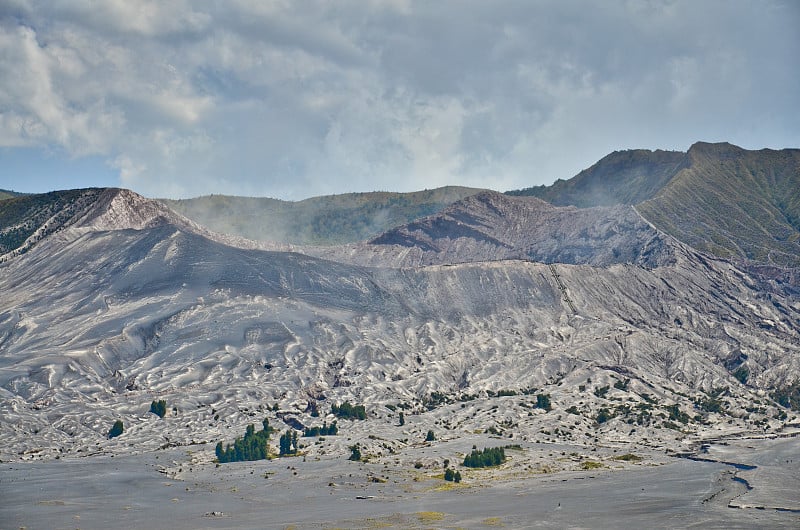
(177, 100)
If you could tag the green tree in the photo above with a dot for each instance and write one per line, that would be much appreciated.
(430, 437)
(449, 475)
(402, 418)
(355, 453)
(116, 429)
(457, 476)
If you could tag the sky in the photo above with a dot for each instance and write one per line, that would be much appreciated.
(292, 99)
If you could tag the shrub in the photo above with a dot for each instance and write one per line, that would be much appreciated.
(711, 404)
(628, 457)
(543, 402)
(676, 414)
(788, 396)
(159, 408)
(622, 385)
(116, 429)
(742, 374)
(603, 415)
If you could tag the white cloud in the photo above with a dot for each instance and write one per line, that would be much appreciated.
(295, 99)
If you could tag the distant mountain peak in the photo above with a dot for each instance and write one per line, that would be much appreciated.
(490, 226)
(119, 209)
(717, 149)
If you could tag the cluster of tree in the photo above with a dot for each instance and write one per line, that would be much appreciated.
(116, 429)
(159, 408)
(487, 457)
(713, 403)
(325, 430)
(452, 476)
(601, 391)
(676, 414)
(622, 385)
(254, 446)
(436, 399)
(349, 412)
(288, 443)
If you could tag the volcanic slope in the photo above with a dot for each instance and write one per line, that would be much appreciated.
(325, 220)
(719, 198)
(100, 318)
(491, 226)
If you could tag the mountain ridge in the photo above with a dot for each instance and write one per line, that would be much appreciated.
(325, 220)
(491, 226)
(699, 197)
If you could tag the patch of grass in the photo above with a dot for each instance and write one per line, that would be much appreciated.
(492, 521)
(429, 517)
(448, 486)
(589, 464)
(629, 457)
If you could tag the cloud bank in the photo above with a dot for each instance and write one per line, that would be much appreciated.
(294, 99)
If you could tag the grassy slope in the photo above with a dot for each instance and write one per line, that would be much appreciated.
(320, 220)
(623, 177)
(8, 194)
(734, 203)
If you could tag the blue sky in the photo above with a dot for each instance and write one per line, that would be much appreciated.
(297, 99)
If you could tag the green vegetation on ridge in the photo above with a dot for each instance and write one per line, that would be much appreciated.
(324, 220)
(8, 194)
(734, 203)
(623, 177)
(21, 217)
